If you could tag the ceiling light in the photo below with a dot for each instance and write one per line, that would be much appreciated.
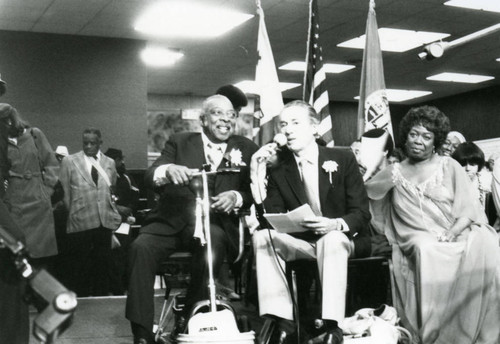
(459, 77)
(396, 40)
(396, 96)
(181, 19)
(328, 67)
(249, 86)
(498, 59)
(485, 5)
(160, 57)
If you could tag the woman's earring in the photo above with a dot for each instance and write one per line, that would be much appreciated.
(433, 150)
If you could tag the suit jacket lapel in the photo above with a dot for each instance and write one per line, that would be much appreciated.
(79, 161)
(323, 179)
(292, 176)
(198, 154)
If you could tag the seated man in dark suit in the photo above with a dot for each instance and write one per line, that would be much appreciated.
(171, 225)
(327, 179)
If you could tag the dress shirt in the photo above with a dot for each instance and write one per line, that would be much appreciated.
(311, 155)
(214, 152)
(88, 163)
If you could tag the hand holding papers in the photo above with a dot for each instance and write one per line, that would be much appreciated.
(291, 222)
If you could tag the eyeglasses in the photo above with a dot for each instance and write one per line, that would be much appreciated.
(231, 114)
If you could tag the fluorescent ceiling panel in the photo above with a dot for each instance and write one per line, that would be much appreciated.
(459, 77)
(188, 20)
(396, 40)
(328, 67)
(249, 86)
(396, 96)
(160, 57)
(485, 5)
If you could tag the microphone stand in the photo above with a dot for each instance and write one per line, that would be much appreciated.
(61, 302)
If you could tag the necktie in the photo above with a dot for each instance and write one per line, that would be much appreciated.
(214, 155)
(94, 173)
(311, 190)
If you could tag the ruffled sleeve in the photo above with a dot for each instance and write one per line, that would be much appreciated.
(464, 205)
(379, 192)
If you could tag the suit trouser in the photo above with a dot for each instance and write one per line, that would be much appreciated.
(148, 252)
(87, 262)
(331, 252)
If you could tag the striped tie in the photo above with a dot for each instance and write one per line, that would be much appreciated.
(307, 170)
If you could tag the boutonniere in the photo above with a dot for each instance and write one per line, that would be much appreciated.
(330, 166)
(235, 158)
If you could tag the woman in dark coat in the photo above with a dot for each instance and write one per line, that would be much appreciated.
(33, 173)
(14, 326)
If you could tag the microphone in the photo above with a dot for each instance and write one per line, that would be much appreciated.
(280, 140)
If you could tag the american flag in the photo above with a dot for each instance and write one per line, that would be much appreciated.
(315, 92)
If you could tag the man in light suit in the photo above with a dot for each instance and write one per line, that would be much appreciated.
(87, 178)
(171, 224)
(329, 181)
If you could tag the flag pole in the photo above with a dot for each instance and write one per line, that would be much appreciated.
(308, 46)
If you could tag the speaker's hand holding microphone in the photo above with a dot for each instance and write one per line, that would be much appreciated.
(267, 154)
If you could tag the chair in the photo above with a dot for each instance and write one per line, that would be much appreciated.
(175, 273)
(357, 267)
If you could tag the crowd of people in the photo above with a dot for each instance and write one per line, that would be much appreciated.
(428, 199)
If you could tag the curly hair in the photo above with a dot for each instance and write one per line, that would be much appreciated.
(431, 118)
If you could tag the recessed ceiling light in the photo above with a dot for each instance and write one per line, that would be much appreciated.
(498, 59)
(485, 5)
(160, 57)
(396, 40)
(396, 96)
(182, 19)
(249, 86)
(328, 67)
(459, 77)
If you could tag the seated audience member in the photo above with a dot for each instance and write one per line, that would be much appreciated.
(61, 152)
(327, 179)
(471, 158)
(397, 155)
(126, 196)
(453, 139)
(33, 174)
(490, 164)
(87, 178)
(171, 225)
(446, 258)
(356, 147)
(495, 192)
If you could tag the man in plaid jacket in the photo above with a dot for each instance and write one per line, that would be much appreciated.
(87, 178)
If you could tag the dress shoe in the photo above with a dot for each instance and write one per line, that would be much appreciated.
(334, 336)
(180, 326)
(141, 334)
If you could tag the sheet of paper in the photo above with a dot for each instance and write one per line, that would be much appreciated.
(123, 229)
(290, 222)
